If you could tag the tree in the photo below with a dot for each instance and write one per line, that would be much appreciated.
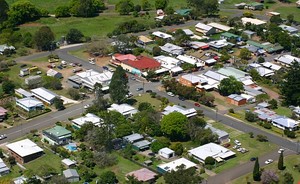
(118, 87)
(160, 143)
(290, 85)
(132, 180)
(108, 177)
(4, 8)
(262, 138)
(146, 5)
(200, 122)
(290, 18)
(288, 178)
(51, 83)
(124, 7)
(174, 126)
(28, 39)
(208, 7)
(104, 159)
(44, 38)
(8, 87)
(256, 171)
(255, 75)
(182, 175)
(156, 51)
(147, 121)
(169, 10)
(74, 93)
(269, 177)
(11, 160)
(230, 86)
(58, 103)
(145, 106)
(137, 8)
(21, 12)
(86, 8)
(280, 162)
(276, 20)
(62, 11)
(245, 54)
(161, 4)
(261, 59)
(58, 179)
(209, 161)
(33, 180)
(178, 148)
(273, 104)
(262, 97)
(74, 36)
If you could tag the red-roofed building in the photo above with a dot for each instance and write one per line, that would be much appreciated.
(135, 64)
(2, 113)
(144, 175)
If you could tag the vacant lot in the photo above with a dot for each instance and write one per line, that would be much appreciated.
(156, 104)
(49, 5)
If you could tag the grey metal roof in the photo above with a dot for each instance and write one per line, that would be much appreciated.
(133, 137)
(70, 173)
(141, 144)
(219, 132)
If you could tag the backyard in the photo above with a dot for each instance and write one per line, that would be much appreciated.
(156, 104)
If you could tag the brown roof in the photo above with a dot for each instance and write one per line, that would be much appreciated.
(143, 174)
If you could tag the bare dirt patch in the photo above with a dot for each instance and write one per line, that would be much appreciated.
(33, 24)
(102, 61)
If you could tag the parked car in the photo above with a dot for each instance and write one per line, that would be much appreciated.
(252, 159)
(280, 150)
(237, 142)
(132, 78)
(149, 91)
(268, 161)
(129, 95)
(181, 98)
(197, 104)
(139, 89)
(87, 106)
(227, 145)
(60, 67)
(170, 94)
(104, 67)
(3, 136)
(151, 154)
(23, 65)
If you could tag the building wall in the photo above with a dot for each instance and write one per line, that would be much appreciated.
(186, 82)
(73, 179)
(26, 159)
(233, 102)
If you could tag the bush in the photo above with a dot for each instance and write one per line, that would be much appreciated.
(251, 134)
(209, 161)
(267, 125)
(251, 117)
(74, 94)
(231, 111)
(290, 134)
(262, 138)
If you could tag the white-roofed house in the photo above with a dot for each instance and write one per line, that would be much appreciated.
(205, 29)
(219, 44)
(68, 163)
(188, 32)
(223, 137)
(133, 138)
(253, 21)
(168, 64)
(289, 29)
(191, 80)
(191, 60)
(24, 151)
(173, 165)
(125, 109)
(172, 49)
(44, 95)
(285, 123)
(162, 35)
(176, 108)
(22, 93)
(219, 153)
(54, 73)
(166, 153)
(91, 77)
(88, 118)
(264, 72)
(71, 175)
(271, 66)
(219, 27)
(286, 60)
(30, 104)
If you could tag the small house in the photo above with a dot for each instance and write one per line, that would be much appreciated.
(5, 47)
(289, 29)
(229, 36)
(57, 135)
(124, 109)
(68, 163)
(88, 118)
(144, 40)
(29, 104)
(188, 112)
(205, 29)
(143, 175)
(141, 145)
(44, 95)
(71, 175)
(219, 27)
(166, 153)
(172, 49)
(223, 137)
(249, 33)
(54, 73)
(24, 72)
(236, 99)
(3, 168)
(133, 138)
(33, 80)
(173, 165)
(22, 93)
(3, 113)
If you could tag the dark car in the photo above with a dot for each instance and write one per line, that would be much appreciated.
(151, 154)
(197, 104)
(60, 67)
(139, 89)
(105, 68)
(23, 65)
(252, 159)
(181, 98)
(149, 91)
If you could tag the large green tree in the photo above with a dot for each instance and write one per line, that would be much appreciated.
(174, 125)
(8, 87)
(62, 11)
(182, 175)
(118, 87)
(208, 7)
(290, 86)
(256, 171)
(124, 7)
(86, 8)
(44, 38)
(230, 86)
(23, 11)
(161, 4)
(108, 177)
(3, 11)
(74, 36)
(146, 5)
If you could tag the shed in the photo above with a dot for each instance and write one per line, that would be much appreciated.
(68, 163)
(166, 153)
(236, 99)
(53, 73)
(71, 175)
(141, 145)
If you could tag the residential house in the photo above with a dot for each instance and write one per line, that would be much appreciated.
(255, 6)
(88, 118)
(223, 137)
(191, 80)
(205, 29)
(219, 27)
(253, 21)
(219, 153)
(54, 73)
(285, 123)
(71, 175)
(3, 113)
(262, 71)
(172, 50)
(188, 32)
(252, 90)
(210, 62)
(235, 99)
(249, 33)
(21, 93)
(286, 60)
(265, 47)
(24, 151)
(35, 80)
(45, 95)
(141, 145)
(271, 14)
(90, 78)
(249, 98)
(140, 65)
(199, 45)
(173, 165)
(162, 35)
(57, 135)
(124, 109)
(30, 104)
(167, 61)
(3, 168)
(183, 12)
(191, 60)
(144, 40)
(219, 44)
(289, 29)
(229, 36)
(133, 138)
(166, 153)
(6, 47)
(176, 108)
(271, 66)
(143, 175)
(68, 163)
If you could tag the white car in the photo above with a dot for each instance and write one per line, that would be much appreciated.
(3, 136)
(268, 161)
(280, 150)
(170, 94)
(87, 106)
(92, 62)
(237, 142)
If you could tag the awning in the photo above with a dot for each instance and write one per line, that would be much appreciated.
(176, 69)
(105, 88)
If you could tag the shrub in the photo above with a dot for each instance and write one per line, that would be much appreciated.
(267, 125)
(251, 117)
(290, 134)
(209, 161)
(231, 111)
(262, 138)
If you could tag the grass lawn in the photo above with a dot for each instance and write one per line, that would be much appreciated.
(283, 111)
(289, 162)
(147, 98)
(41, 59)
(15, 171)
(286, 10)
(55, 162)
(80, 53)
(49, 5)
(255, 147)
(13, 73)
(123, 167)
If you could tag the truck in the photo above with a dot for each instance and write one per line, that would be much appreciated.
(77, 70)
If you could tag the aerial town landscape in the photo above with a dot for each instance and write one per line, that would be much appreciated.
(150, 91)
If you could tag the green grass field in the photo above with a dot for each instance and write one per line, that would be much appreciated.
(49, 5)
(283, 111)
(285, 11)
(147, 98)
(289, 162)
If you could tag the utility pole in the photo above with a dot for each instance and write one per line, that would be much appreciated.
(298, 147)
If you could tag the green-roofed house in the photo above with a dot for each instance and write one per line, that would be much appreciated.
(255, 6)
(268, 47)
(229, 36)
(57, 135)
(183, 12)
